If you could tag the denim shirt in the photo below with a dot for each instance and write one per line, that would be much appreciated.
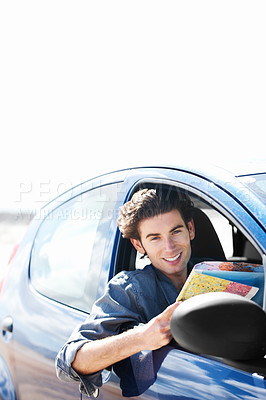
(131, 298)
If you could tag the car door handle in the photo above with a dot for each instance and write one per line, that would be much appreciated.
(7, 325)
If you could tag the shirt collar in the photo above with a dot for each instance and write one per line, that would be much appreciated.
(168, 288)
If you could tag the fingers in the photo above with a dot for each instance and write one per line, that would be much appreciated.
(157, 330)
(168, 312)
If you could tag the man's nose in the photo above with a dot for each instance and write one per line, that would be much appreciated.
(169, 244)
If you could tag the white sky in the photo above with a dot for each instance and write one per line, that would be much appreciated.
(91, 86)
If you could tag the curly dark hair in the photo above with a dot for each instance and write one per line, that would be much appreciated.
(147, 203)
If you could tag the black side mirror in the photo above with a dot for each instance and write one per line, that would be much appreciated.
(222, 325)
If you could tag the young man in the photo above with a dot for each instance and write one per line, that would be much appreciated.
(159, 224)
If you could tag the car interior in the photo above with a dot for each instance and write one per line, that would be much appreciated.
(216, 239)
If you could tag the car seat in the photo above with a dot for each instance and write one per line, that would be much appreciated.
(206, 243)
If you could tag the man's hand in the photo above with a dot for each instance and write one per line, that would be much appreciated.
(156, 333)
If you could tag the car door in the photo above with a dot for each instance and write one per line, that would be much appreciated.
(172, 372)
(68, 267)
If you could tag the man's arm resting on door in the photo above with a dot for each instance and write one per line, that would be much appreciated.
(99, 354)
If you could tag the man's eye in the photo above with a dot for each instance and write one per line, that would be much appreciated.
(155, 238)
(177, 231)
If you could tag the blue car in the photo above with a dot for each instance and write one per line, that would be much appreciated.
(73, 248)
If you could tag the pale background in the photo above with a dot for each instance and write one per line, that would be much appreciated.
(92, 86)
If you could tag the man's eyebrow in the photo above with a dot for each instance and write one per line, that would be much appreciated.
(152, 234)
(172, 230)
(177, 227)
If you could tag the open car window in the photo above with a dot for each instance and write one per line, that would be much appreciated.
(217, 239)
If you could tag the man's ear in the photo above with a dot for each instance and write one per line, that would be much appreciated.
(191, 229)
(138, 246)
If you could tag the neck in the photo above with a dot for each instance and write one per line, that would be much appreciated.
(179, 280)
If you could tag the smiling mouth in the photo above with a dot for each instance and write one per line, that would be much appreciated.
(173, 258)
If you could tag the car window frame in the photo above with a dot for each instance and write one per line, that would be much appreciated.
(210, 199)
(214, 198)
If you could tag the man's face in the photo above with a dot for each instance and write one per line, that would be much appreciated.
(166, 240)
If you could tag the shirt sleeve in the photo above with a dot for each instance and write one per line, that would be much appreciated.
(117, 310)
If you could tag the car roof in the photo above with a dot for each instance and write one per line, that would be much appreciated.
(247, 167)
(234, 167)
(222, 174)
(220, 170)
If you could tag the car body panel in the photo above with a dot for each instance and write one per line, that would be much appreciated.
(7, 387)
(41, 325)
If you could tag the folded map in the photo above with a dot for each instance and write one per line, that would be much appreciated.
(223, 277)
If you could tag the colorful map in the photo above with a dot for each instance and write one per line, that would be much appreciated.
(203, 280)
